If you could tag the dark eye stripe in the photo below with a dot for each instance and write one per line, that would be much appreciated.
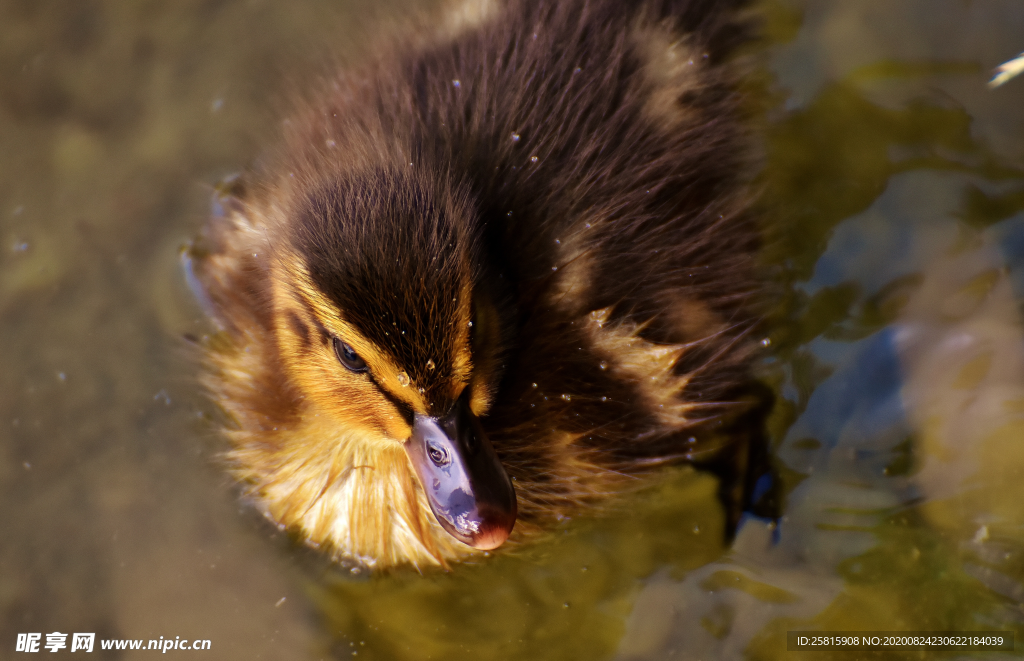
(404, 409)
(325, 335)
(300, 329)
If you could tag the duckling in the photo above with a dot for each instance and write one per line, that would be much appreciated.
(488, 279)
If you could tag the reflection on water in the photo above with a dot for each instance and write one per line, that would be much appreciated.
(895, 234)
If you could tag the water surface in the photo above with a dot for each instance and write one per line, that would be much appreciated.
(894, 224)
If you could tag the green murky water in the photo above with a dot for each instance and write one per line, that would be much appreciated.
(894, 213)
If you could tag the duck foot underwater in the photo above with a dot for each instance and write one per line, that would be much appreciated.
(491, 278)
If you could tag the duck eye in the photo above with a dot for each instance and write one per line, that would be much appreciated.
(348, 357)
(438, 455)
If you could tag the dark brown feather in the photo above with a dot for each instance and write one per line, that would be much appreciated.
(589, 185)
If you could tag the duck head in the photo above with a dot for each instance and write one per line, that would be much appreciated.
(383, 328)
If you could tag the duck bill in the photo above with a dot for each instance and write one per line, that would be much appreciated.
(467, 488)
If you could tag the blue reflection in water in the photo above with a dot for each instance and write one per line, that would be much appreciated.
(879, 393)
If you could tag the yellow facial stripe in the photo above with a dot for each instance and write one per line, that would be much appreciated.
(462, 361)
(486, 334)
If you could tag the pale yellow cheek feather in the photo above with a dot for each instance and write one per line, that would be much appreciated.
(338, 484)
(355, 499)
